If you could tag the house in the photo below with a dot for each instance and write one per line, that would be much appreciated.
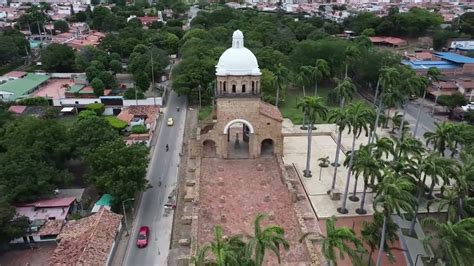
(388, 41)
(140, 115)
(21, 87)
(104, 202)
(15, 74)
(82, 91)
(46, 218)
(87, 241)
(148, 20)
(448, 63)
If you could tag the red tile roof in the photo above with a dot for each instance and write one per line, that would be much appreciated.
(270, 111)
(50, 203)
(87, 241)
(387, 40)
(51, 227)
(151, 113)
(15, 74)
(17, 109)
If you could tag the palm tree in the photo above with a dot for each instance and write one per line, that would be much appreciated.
(343, 239)
(442, 138)
(432, 75)
(450, 202)
(391, 97)
(456, 240)
(302, 78)
(371, 233)
(341, 118)
(226, 251)
(344, 91)
(281, 76)
(319, 71)
(352, 53)
(367, 164)
(312, 108)
(323, 163)
(271, 237)
(359, 118)
(464, 181)
(389, 77)
(393, 195)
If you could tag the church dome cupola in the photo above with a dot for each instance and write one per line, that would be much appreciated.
(237, 60)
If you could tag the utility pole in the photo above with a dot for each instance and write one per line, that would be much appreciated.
(136, 93)
(199, 88)
(152, 78)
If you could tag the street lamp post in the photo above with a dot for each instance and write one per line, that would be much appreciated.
(125, 214)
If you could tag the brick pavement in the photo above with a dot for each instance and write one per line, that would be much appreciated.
(238, 191)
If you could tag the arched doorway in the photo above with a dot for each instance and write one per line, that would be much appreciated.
(267, 147)
(209, 148)
(238, 136)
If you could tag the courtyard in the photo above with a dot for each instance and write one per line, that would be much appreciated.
(233, 197)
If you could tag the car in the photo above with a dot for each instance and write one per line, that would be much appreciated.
(142, 239)
(170, 122)
(468, 107)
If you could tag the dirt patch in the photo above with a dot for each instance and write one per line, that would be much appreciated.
(233, 192)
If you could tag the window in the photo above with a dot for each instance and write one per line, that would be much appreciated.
(77, 102)
(243, 88)
(233, 88)
(253, 86)
(224, 86)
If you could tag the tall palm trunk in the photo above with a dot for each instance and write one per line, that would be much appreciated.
(336, 160)
(354, 197)
(348, 179)
(347, 68)
(402, 123)
(377, 118)
(382, 241)
(413, 222)
(430, 193)
(418, 115)
(361, 210)
(307, 172)
(304, 90)
(375, 103)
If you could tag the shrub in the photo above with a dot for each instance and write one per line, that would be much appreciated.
(116, 123)
(98, 108)
(86, 113)
(34, 101)
(130, 94)
(139, 129)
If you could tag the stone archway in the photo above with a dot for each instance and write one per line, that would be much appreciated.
(267, 147)
(209, 148)
(239, 138)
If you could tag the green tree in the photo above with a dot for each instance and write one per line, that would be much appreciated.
(271, 237)
(360, 118)
(320, 71)
(58, 58)
(11, 227)
(456, 240)
(61, 25)
(226, 251)
(125, 178)
(98, 86)
(452, 101)
(107, 79)
(9, 52)
(466, 22)
(91, 132)
(312, 108)
(442, 138)
(393, 195)
(432, 76)
(351, 54)
(342, 120)
(98, 108)
(281, 76)
(342, 239)
(115, 66)
(372, 231)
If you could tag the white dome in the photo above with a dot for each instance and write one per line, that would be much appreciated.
(237, 60)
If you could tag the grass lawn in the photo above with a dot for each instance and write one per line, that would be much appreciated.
(289, 110)
(204, 112)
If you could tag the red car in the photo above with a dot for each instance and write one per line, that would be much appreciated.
(142, 239)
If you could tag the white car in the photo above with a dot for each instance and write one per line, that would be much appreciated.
(170, 122)
(468, 107)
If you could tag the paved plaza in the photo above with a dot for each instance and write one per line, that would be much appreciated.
(232, 192)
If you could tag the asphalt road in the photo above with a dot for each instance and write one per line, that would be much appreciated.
(426, 120)
(163, 166)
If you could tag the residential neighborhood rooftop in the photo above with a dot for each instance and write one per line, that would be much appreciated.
(456, 58)
(22, 86)
(87, 241)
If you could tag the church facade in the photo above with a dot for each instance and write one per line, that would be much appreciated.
(243, 126)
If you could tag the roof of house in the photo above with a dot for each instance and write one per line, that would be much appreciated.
(270, 111)
(389, 40)
(105, 200)
(17, 109)
(51, 227)
(15, 74)
(456, 58)
(127, 113)
(445, 85)
(466, 84)
(422, 64)
(50, 203)
(71, 192)
(75, 88)
(19, 87)
(87, 241)
(34, 213)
